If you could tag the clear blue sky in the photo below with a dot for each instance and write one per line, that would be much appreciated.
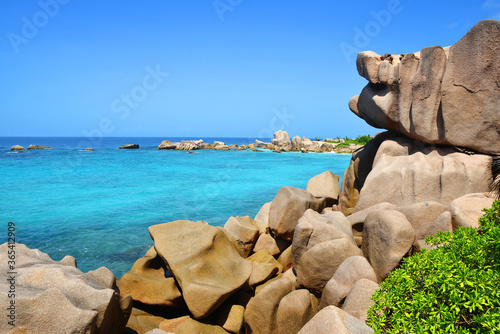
(236, 68)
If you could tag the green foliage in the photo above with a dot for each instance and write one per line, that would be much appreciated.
(454, 288)
(359, 140)
(317, 139)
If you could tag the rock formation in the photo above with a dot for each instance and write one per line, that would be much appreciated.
(17, 148)
(437, 95)
(56, 297)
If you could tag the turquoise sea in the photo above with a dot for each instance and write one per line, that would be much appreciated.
(97, 206)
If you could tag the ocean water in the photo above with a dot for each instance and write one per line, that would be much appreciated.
(97, 206)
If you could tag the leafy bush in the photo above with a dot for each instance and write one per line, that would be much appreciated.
(359, 140)
(454, 288)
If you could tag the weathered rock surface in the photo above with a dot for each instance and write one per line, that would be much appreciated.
(231, 317)
(17, 148)
(466, 210)
(320, 244)
(358, 301)
(263, 214)
(331, 319)
(325, 185)
(146, 282)
(295, 310)
(169, 325)
(191, 326)
(281, 138)
(387, 237)
(264, 267)
(438, 95)
(56, 297)
(287, 207)
(204, 262)
(38, 147)
(268, 243)
(245, 231)
(418, 172)
(355, 175)
(261, 310)
(358, 219)
(348, 273)
(421, 216)
(441, 224)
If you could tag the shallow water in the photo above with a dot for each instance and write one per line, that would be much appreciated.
(97, 206)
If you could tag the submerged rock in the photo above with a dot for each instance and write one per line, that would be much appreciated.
(129, 146)
(38, 147)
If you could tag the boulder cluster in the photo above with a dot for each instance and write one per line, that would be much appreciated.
(280, 143)
(310, 260)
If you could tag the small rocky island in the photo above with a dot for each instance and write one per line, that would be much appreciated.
(310, 260)
(280, 143)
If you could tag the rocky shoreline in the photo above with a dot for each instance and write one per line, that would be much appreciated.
(280, 143)
(310, 260)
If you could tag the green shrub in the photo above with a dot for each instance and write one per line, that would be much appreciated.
(451, 289)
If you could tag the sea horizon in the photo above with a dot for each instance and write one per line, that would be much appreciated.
(97, 206)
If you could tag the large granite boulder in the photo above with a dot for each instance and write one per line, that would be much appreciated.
(246, 232)
(56, 297)
(355, 175)
(325, 185)
(146, 282)
(296, 143)
(387, 238)
(264, 267)
(268, 243)
(406, 171)
(17, 148)
(205, 264)
(348, 273)
(295, 310)
(320, 244)
(466, 210)
(279, 309)
(331, 319)
(288, 206)
(261, 310)
(282, 139)
(358, 301)
(263, 215)
(438, 95)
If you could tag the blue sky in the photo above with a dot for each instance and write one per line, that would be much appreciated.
(233, 68)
